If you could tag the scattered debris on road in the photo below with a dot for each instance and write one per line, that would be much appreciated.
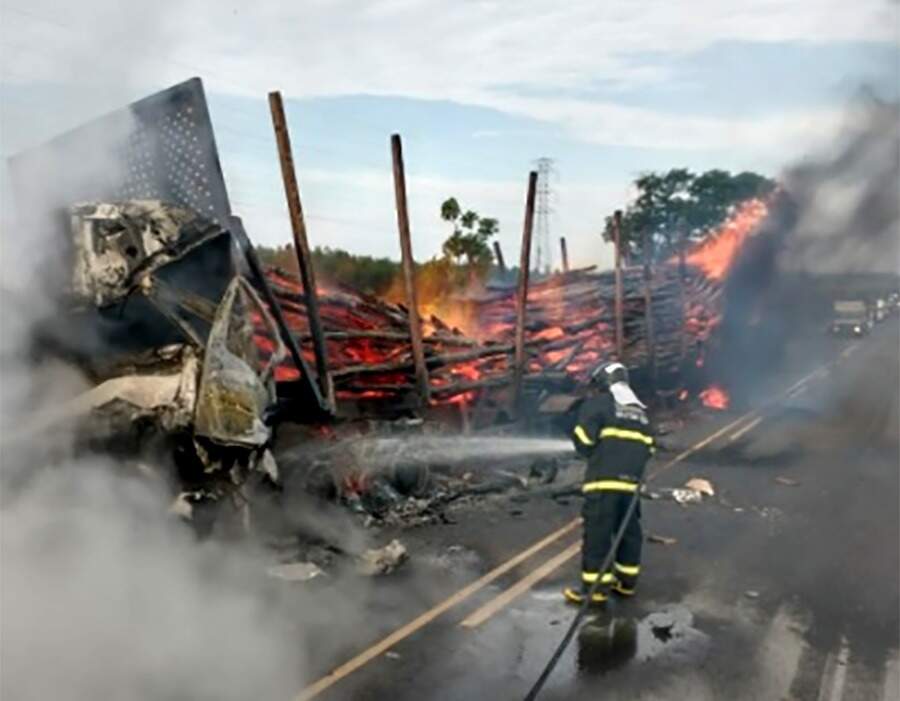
(686, 496)
(296, 571)
(701, 485)
(661, 539)
(377, 561)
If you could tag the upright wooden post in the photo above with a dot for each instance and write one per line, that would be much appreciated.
(646, 246)
(522, 292)
(618, 308)
(682, 294)
(498, 254)
(301, 244)
(409, 273)
(565, 253)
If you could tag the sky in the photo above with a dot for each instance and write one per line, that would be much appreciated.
(478, 89)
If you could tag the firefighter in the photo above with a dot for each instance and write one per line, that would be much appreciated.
(614, 434)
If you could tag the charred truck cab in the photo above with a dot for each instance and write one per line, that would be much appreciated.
(158, 318)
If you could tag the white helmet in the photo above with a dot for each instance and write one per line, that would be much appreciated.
(609, 373)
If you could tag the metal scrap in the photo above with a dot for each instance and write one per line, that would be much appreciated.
(117, 244)
(205, 399)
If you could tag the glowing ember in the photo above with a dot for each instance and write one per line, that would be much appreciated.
(716, 255)
(715, 397)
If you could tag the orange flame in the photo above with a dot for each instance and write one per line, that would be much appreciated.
(715, 397)
(716, 255)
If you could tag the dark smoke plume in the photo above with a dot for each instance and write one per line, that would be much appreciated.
(833, 228)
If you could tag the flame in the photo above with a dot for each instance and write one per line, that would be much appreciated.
(715, 397)
(716, 255)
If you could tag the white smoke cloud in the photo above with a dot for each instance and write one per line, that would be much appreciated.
(104, 598)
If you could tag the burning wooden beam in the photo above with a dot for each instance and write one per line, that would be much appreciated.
(522, 291)
(301, 243)
(498, 254)
(409, 273)
(648, 308)
(617, 242)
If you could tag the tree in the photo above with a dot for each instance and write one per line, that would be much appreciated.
(470, 237)
(681, 204)
(364, 273)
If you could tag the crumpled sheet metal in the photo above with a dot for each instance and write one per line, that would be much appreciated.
(233, 395)
(169, 398)
(118, 243)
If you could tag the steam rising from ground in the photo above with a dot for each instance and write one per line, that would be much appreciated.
(103, 599)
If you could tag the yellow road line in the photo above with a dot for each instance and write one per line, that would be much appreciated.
(498, 602)
(746, 429)
(405, 631)
(698, 446)
(797, 392)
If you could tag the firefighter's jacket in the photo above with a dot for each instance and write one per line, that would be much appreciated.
(617, 440)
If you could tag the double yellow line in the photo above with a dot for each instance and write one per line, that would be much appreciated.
(496, 604)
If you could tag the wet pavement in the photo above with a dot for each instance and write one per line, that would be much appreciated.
(784, 585)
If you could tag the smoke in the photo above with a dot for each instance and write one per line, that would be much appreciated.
(847, 202)
(832, 231)
(103, 598)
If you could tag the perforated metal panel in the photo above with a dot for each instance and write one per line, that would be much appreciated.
(161, 147)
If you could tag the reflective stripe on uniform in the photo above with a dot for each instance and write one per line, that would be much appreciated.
(627, 435)
(629, 570)
(583, 436)
(609, 486)
(591, 577)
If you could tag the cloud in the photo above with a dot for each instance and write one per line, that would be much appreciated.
(430, 50)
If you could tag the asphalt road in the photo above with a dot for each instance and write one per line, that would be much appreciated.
(784, 585)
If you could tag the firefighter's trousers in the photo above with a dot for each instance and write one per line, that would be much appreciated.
(605, 505)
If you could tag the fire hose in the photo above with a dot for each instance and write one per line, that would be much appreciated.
(586, 603)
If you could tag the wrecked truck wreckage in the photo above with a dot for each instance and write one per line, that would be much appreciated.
(175, 373)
